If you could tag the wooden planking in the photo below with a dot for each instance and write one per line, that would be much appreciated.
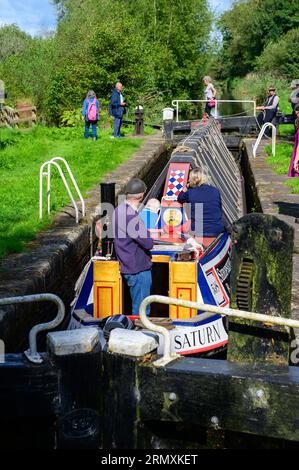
(244, 398)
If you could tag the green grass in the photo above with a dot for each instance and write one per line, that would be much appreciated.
(21, 155)
(285, 130)
(281, 163)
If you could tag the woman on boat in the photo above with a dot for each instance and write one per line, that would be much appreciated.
(294, 165)
(206, 207)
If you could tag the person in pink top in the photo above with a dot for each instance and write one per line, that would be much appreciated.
(294, 165)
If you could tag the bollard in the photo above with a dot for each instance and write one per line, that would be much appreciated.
(139, 120)
(107, 197)
(168, 124)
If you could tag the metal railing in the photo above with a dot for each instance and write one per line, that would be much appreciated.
(175, 104)
(49, 163)
(260, 136)
(169, 356)
(31, 353)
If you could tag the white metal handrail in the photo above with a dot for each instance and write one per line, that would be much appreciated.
(258, 140)
(31, 353)
(73, 181)
(175, 103)
(168, 356)
(49, 163)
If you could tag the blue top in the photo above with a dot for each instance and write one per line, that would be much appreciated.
(85, 107)
(150, 218)
(132, 240)
(115, 109)
(206, 210)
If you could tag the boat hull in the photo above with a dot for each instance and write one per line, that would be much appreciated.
(192, 333)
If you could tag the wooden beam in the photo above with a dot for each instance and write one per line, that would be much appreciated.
(261, 400)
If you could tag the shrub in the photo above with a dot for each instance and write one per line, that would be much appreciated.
(281, 57)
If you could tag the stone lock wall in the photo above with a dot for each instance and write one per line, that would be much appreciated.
(55, 259)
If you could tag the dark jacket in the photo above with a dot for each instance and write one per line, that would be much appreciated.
(132, 240)
(206, 219)
(115, 109)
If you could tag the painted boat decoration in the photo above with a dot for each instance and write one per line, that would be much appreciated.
(101, 294)
(177, 271)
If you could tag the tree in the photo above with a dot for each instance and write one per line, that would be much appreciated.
(153, 46)
(13, 41)
(248, 27)
(281, 57)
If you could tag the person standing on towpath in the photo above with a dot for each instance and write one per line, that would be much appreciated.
(294, 97)
(133, 243)
(294, 165)
(90, 114)
(117, 108)
(210, 94)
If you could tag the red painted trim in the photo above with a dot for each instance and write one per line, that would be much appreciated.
(226, 299)
(177, 296)
(184, 353)
(98, 299)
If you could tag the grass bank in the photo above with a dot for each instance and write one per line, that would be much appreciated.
(22, 153)
(281, 163)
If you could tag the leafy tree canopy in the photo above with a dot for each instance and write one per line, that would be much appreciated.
(248, 27)
(152, 46)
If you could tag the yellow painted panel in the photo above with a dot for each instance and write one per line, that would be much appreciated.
(160, 259)
(106, 271)
(107, 294)
(107, 299)
(183, 271)
(182, 285)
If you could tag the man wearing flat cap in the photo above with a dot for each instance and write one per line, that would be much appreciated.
(133, 243)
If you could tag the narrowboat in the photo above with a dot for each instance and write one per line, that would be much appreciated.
(181, 269)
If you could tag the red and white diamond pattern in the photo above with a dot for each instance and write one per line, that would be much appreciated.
(175, 183)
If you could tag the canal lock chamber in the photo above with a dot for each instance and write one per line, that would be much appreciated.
(64, 383)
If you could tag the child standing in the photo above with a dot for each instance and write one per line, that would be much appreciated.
(90, 114)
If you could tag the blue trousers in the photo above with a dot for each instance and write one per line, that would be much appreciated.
(117, 126)
(140, 287)
(94, 125)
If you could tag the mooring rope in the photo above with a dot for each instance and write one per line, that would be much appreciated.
(185, 149)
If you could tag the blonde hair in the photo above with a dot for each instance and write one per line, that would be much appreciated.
(197, 177)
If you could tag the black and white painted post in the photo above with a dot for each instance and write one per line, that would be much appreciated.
(139, 120)
(168, 124)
